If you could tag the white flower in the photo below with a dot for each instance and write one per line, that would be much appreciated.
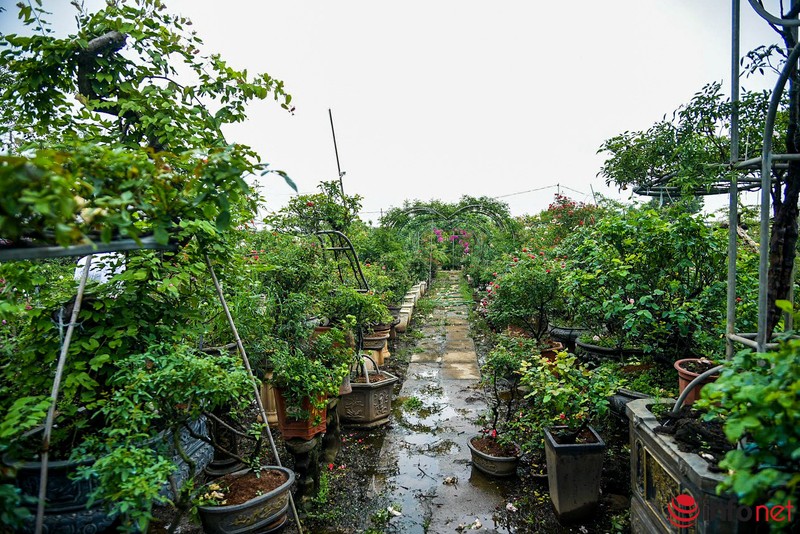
(511, 508)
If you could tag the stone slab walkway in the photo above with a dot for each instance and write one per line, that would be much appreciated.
(425, 462)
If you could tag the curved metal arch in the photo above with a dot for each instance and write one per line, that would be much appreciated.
(341, 244)
(769, 17)
(766, 181)
(471, 208)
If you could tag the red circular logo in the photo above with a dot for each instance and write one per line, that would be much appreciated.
(683, 511)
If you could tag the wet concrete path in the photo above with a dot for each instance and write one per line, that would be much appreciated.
(425, 466)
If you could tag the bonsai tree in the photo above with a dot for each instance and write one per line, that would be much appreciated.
(330, 209)
(650, 279)
(685, 152)
(500, 376)
(563, 392)
(168, 387)
(102, 141)
(526, 294)
(365, 309)
(307, 375)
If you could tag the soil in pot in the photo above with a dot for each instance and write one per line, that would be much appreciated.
(573, 437)
(373, 378)
(491, 447)
(698, 367)
(693, 434)
(243, 488)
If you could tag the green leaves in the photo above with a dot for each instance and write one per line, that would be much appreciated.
(759, 398)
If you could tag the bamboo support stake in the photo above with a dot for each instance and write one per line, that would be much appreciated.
(51, 411)
(256, 391)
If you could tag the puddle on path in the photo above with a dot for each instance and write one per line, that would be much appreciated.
(425, 469)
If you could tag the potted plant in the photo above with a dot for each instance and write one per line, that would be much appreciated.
(649, 280)
(689, 369)
(757, 397)
(370, 403)
(526, 295)
(159, 174)
(494, 452)
(304, 377)
(570, 399)
(248, 501)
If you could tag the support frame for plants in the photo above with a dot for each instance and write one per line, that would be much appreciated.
(763, 166)
(30, 253)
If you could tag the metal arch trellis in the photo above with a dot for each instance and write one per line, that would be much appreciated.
(757, 174)
(471, 208)
(11, 253)
(341, 245)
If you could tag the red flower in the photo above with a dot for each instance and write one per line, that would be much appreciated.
(310, 204)
(330, 467)
(562, 416)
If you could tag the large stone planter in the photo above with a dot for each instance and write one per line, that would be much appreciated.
(265, 513)
(66, 498)
(573, 474)
(660, 472)
(369, 405)
(65, 510)
(405, 317)
(199, 451)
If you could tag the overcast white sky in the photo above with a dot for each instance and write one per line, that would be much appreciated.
(439, 98)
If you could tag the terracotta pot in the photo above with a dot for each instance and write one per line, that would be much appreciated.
(299, 428)
(685, 377)
(555, 348)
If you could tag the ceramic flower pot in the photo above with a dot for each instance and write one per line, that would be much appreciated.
(496, 466)
(66, 497)
(573, 473)
(304, 429)
(685, 376)
(370, 404)
(265, 513)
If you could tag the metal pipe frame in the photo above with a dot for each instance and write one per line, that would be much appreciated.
(733, 205)
(766, 182)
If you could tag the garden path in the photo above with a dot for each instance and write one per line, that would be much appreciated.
(425, 462)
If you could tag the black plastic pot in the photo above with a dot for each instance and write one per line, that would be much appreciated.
(573, 474)
(599, 354)
(568, 335)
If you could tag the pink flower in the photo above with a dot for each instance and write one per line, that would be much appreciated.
(562, 416)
